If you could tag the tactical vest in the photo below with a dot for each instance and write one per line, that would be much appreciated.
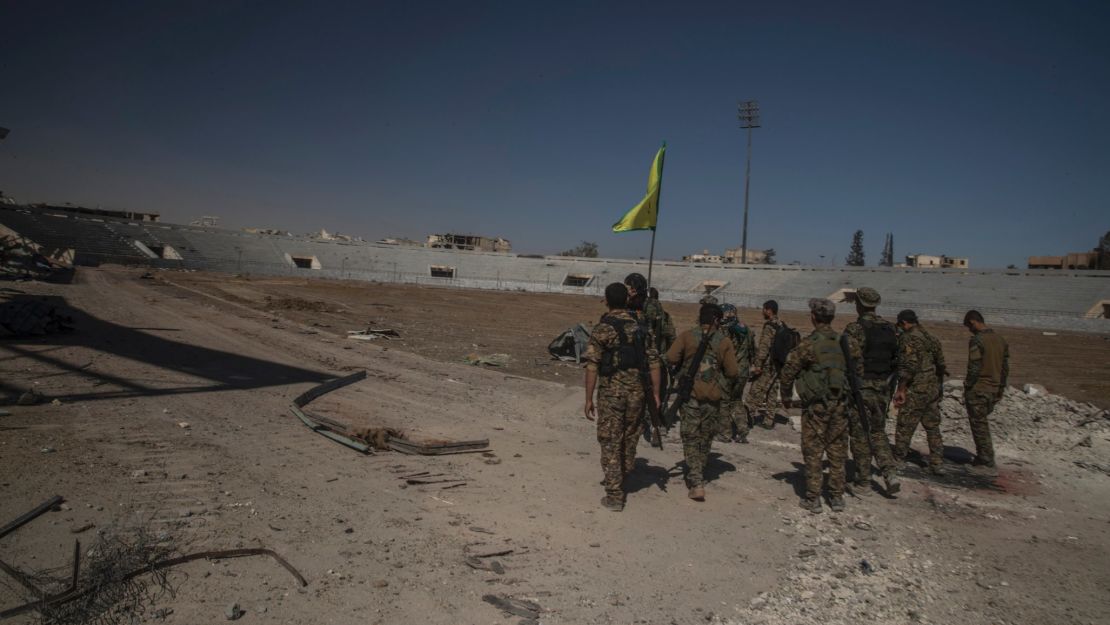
(826, 378)
(628, 353)
(879, 348)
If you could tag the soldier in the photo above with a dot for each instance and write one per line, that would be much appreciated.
(818, 366)
(665, 333)
(614, 358)
(920, 387)
(649, 314)
(701, 411)
(735, 423)
(763, 397)
(988, 367)
(873, 344)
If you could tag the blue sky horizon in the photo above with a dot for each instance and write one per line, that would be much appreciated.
(967, 129)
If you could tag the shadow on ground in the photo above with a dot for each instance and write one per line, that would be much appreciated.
(167, 361)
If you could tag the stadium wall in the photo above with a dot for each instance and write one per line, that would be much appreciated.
(1048, 299)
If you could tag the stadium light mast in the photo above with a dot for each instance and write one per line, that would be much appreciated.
(748, 114)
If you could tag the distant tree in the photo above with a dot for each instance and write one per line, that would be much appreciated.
(887, 259)
(855, 254)
(585, 249)
(769, 256)
(1011, 266)
(1104, 251)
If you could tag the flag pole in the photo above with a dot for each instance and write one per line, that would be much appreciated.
(658, 202)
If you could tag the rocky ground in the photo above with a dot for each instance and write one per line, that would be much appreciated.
(167, 406)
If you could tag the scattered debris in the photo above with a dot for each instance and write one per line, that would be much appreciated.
(84, 528)
(571, 344)
(31, 515)
(515, 607)
(183, 425)
(233, 612)
(492, 360)
(373, 334)
(482, 565)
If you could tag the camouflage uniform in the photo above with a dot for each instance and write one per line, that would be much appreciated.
(620, 403)
(701, 412)
(763, 397)
(876, 400)
(734, 415)
(988, 367)
(920, 368)
(659, 324)
(824, 421)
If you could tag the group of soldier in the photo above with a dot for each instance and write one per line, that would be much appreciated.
(845, 384)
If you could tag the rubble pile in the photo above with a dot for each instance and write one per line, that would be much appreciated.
(848, 570)
(1029, 419)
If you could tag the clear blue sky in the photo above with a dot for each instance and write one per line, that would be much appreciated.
(973, 129)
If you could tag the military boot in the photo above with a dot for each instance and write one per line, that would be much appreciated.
(612, 502)
(861, 488)
(893, 484)
(812, 505)
(936, 469)
(836, 503)
(697, 493)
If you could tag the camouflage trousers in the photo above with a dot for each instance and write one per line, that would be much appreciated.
(763, 397)
(701, 421)
(734, 414)
(922, 406)
(824, 433)
(875, 445)
(979, 406)
(619, 406)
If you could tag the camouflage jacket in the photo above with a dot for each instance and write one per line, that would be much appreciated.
(988, 363)
(743, 341)
(660, 324)
(604, 338)
(763, 358)
(920, 360)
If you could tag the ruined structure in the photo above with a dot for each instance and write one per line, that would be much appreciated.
(468, 242)
(926, 261)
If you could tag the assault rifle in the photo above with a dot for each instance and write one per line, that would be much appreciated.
(684, 385)
(655, 419)
(854, 384)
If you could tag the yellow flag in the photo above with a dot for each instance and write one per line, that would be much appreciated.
(644, 215)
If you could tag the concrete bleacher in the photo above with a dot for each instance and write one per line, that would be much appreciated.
(1031, 298)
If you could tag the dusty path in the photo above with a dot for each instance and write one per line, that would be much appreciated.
(148, 356)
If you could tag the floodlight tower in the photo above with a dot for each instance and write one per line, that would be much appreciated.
(748, 114)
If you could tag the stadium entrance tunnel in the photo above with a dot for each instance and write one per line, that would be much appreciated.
(574, 279)
(442, 271)
(1101, 310)
(165, 252)
(304, 262)
(709, 287)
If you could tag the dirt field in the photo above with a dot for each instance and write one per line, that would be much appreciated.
(172, 407)
(449, 324)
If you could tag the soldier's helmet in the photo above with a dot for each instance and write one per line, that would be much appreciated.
(868, 296)
(729, 312)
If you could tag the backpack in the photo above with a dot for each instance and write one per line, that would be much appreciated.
(880, 347)
(629, 351)
(786, 339)
(826, 377)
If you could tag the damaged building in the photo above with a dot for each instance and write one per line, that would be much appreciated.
(469, 242)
